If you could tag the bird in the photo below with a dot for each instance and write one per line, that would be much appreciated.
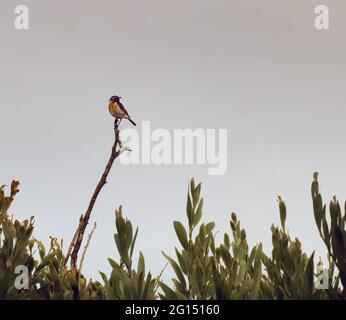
(118, 111)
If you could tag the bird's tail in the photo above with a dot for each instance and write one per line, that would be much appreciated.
(131, 121)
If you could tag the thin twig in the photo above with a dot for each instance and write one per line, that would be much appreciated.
(86, 247)
(162, 271)
(72, 242)
(157, 280)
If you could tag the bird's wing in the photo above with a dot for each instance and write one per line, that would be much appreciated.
(121, 106)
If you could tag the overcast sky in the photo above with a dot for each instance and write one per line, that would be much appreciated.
(259, 69)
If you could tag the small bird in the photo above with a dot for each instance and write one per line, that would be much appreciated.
(118, 111)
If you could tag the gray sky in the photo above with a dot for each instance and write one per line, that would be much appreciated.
(259, 69)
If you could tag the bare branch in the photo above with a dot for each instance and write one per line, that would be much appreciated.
(75, 245)
(157, 280)
(73, 242)
(86, 247)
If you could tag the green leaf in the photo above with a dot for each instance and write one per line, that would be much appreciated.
(129, 233)
(335, 212)
(181, 233)
(113, 264)
(133, 243)
(309, 276)
(225, 255)
(241, 271)
(189, 209)
(109, 291)
(176, 269)
(141, 263)
(226, 241)
(180, 288)
(325, 229)
(169, 294)
(318, 210)
(182, 261)
(283, 212)
(192, 184)
(209, 227)
(198, 214)
(148, 288)
(196, 193)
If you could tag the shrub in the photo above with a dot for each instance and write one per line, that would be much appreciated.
(203, 268)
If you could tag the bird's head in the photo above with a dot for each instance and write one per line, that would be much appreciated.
(115, 99)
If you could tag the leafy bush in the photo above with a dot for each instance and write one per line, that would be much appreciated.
(126, 283)
(203, 269)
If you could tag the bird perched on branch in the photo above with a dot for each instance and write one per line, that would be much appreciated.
(118, 111)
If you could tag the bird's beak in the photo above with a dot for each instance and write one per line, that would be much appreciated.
(120, 98)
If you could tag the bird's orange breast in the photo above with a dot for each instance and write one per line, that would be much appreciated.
(113, 108)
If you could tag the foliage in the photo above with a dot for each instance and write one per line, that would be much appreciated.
(204, 269)
(334, 237)
(126, 283)
(237, 272)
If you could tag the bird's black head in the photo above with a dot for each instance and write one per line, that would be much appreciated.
(115, 99)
